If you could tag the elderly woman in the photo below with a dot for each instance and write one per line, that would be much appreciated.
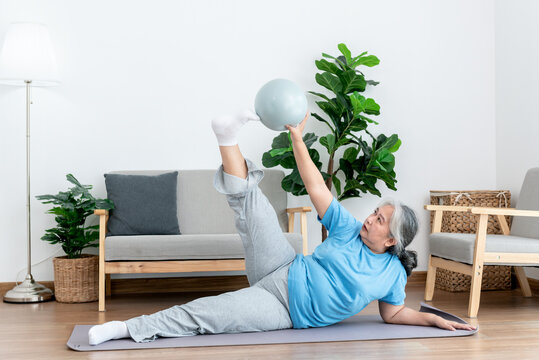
(358, 262)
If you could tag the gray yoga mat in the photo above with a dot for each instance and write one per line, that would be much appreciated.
(357, 327)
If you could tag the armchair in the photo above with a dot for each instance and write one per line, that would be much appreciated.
(468, 253)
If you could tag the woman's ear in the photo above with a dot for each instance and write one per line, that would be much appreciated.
(390, 242)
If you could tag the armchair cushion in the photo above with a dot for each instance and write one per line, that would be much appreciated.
(460, 247)
(182, 247)
(143, 204)
(528, 200)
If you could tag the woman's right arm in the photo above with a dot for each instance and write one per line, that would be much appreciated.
(320, 195)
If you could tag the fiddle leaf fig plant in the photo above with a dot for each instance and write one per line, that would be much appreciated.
(75, 206)
(347, 113)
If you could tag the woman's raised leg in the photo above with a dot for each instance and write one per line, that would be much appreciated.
(233, 161)
(266, 247)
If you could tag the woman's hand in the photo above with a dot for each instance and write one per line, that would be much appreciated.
(297, 131)
(451, 325)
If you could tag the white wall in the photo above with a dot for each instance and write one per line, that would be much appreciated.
(517, 76)
(142, 79)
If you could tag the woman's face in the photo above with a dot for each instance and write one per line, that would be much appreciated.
(375, 230)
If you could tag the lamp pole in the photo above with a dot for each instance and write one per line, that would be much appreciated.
(28, 291)
(27, 54)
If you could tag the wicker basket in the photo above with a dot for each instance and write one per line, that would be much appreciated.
(462, 222)
(76, 280)
(495, 277)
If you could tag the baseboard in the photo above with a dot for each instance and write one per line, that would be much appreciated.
(204, 283)
(417, 278)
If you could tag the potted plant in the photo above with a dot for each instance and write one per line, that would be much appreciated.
(75, 274)
(362, 164)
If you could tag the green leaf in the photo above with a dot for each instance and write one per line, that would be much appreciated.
(269, 161)
(325, 65)
(315, 157)
(337, 184)
(357, 125)
(351, 81)
(372, 82)
(385, 159)
(277, 152)
(318, 117)
(281, 141)
(332, 108)
(369, 61)
(360, 55)
(329, 81)
(352, 184)
(367, 119)
(309, 139)
(346, 168)
(387, 143)
(72, 179)
(327, 56)
(328, 142)
(350, 154)
(320, 95)
(371, 107)
(396, 146)
(288, 162)
(343, 64)
(358, 103)
(344, 50)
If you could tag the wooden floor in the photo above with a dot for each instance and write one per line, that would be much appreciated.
(508, 329)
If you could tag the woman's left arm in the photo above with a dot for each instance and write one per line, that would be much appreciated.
(401, 314)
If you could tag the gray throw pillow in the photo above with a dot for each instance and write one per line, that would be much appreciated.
(143, 204)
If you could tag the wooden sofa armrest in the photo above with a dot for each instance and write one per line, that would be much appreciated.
(447, 208)
(501, 213)
(101, 212)
(439, 209)
(303, 221)
(504, 211)
(299, 209)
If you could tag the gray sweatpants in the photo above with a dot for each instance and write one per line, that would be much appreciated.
(268, 256)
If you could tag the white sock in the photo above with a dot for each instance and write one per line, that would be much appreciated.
(107, 331)
(227, 127)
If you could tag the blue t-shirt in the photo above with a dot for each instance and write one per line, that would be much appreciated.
(342, 276)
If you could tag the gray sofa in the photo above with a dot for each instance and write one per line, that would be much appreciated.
(208, 239)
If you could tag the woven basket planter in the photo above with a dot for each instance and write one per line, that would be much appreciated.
(76, 280)
(495, 277)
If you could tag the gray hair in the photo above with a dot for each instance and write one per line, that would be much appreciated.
(403, 227)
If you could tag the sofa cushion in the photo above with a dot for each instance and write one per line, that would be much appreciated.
(195, 191)
(143, 204)
(181, 247)
(460, 247)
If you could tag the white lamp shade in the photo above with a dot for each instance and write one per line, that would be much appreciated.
(27, 54)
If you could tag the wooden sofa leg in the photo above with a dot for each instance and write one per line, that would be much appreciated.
(523, 281)
(101, 285)
(108, 286)
(431, 278)
(475, 291)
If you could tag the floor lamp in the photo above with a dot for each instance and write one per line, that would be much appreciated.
(27, 59)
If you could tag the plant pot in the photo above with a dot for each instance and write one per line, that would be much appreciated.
(76, 280)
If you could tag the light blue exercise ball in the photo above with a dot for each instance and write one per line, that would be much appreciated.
(280, 102)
